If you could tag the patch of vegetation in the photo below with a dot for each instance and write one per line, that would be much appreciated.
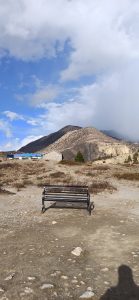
(127, 176)
(79, 157)
(100, 186)
(69, 162)
(101, 168)
(57, 175)
(90, 174)
(3, 191)
(135, 158)
(128, 160)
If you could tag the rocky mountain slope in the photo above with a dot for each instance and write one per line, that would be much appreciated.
(91, 142)
(45, 141)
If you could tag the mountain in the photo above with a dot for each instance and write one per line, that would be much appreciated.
(91, 142)
(45, 141)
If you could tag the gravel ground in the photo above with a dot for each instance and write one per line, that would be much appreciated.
(65, 253)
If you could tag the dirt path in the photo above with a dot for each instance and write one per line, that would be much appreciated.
(35, 253)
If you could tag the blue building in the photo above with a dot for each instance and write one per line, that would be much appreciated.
(25, 156)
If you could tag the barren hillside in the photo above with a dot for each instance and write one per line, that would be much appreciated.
(91, 142)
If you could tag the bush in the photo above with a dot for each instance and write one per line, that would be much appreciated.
(79, 157)
(135, 158)
(128, 160)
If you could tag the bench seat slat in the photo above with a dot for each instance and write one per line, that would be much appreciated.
(65, 191)
(66, 200)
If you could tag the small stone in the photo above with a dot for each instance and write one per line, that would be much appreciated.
(89, 288)
(1, 290)
(74, 281)
(28, 290)
(87, 295)
(105, 270)
(77, 251)
(54, 222)
(55, 294)
(106, 282)
(31, 278)
(4, 298)
(64, 277)
(82, 282)
(53, 274)
(10, 277)
(46, 286)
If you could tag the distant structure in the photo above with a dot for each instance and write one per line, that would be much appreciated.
(25, 156)
(53, 155)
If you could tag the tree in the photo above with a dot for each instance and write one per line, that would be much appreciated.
(79, 157)
(135, 158)
(128, 160)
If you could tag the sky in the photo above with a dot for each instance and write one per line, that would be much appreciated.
(68, 62)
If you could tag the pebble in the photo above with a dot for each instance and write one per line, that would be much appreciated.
(105, 270)
(54, 222)
(46, 286)
(1, 290)
(106, 282)
(87, 295)
(64, 277)
(10, 277)
(82, 282)
(77, 251)
(28, 290)
(74, 281)
(31, 278)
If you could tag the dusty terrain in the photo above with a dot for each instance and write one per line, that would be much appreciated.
(36, 260)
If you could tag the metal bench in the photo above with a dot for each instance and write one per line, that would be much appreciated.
(67, 194)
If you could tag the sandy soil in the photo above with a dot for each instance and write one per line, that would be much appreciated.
(35, 249)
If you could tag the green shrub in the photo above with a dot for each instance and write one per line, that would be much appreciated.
(135, 158)
(79, 157)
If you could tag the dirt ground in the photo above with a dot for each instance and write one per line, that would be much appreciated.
(36, 259)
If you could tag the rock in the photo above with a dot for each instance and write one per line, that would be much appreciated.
(10, 277)
(4, 298)
(54, 222)
(64, 277)
(87, 295)
(77, 251)
(105, 270)
(31, 278)
(1, 290)
(74, 281)
(46, 286)
(28, 290)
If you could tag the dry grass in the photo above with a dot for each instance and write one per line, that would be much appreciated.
(100, 186)
(127, 176)
(70, 163)
(3, 191)
(90, 174)
(57, 175)
(101, 168)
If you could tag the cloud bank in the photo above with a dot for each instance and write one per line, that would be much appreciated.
(103, 38)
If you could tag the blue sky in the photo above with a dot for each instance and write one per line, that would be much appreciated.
(68, 62)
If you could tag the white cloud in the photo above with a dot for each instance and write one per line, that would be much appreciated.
(17, 143)
(5, 127)
(13, 115)
(43, 95)
(103, 34)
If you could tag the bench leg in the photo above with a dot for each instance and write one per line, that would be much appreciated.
(43, 207)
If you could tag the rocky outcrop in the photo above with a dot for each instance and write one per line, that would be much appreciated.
(92, 143)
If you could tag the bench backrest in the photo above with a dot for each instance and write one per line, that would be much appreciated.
(56, 189)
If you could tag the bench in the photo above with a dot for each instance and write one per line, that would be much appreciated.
(67, 194)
